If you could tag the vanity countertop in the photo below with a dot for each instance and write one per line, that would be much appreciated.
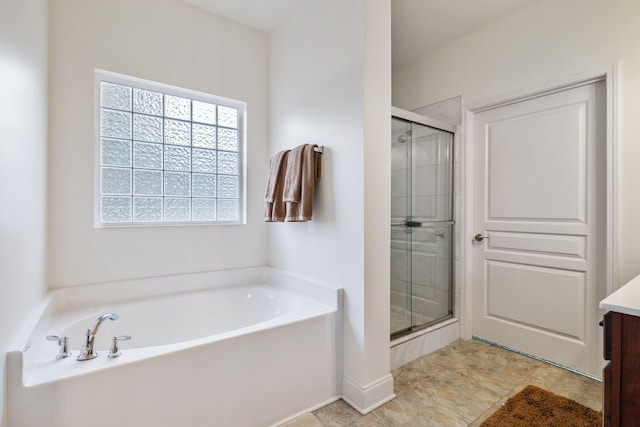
(625, 300)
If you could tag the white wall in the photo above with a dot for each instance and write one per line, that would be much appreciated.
(170, 42)
(330, 81)
(377, 204)
(23, 150)
(547, 41)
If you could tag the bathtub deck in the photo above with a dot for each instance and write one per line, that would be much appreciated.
(209, 380)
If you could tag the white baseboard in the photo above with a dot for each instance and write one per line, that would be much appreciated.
(365, 399)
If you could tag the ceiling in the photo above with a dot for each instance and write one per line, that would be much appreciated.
(263, 15)
(418, 26)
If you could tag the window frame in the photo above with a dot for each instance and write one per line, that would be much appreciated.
(165, 89)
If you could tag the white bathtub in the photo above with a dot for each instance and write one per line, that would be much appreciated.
(210, 355)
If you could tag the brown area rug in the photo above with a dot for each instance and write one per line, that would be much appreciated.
(536, 407)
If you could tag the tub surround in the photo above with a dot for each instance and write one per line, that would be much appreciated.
(280, 365)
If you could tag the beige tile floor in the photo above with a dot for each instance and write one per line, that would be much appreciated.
(458, 385)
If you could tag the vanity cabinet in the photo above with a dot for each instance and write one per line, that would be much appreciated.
(621, 376)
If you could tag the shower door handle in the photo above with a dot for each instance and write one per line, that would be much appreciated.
(426, 224)
(479, 237)
(434, 224)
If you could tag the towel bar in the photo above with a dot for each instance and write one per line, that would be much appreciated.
(319, 149)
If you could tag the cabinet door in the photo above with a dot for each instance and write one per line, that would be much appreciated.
(628, 345)
(606, 397)
(606, 322)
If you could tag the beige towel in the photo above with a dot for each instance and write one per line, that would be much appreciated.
(293, 176)
(274, 207)
(303, 169)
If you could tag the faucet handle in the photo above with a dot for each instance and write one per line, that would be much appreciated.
(63, 343)
(115, 351)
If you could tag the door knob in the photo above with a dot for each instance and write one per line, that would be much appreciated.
(479, 237)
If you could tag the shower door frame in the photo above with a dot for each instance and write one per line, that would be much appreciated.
(442, 126)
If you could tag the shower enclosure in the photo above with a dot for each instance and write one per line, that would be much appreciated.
(421, 222)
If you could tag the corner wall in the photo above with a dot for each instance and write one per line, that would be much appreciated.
(546, 41)
(170, 42)
(23, 151)
(330, 85)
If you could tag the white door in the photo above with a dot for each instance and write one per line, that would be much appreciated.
(539, 211)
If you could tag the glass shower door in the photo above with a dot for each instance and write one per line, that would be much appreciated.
(401, 271)
(421, 226)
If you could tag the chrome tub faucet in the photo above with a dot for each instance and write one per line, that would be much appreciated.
(63, 343)
(87, 352)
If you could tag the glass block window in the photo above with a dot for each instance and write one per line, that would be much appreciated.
(166, 155)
